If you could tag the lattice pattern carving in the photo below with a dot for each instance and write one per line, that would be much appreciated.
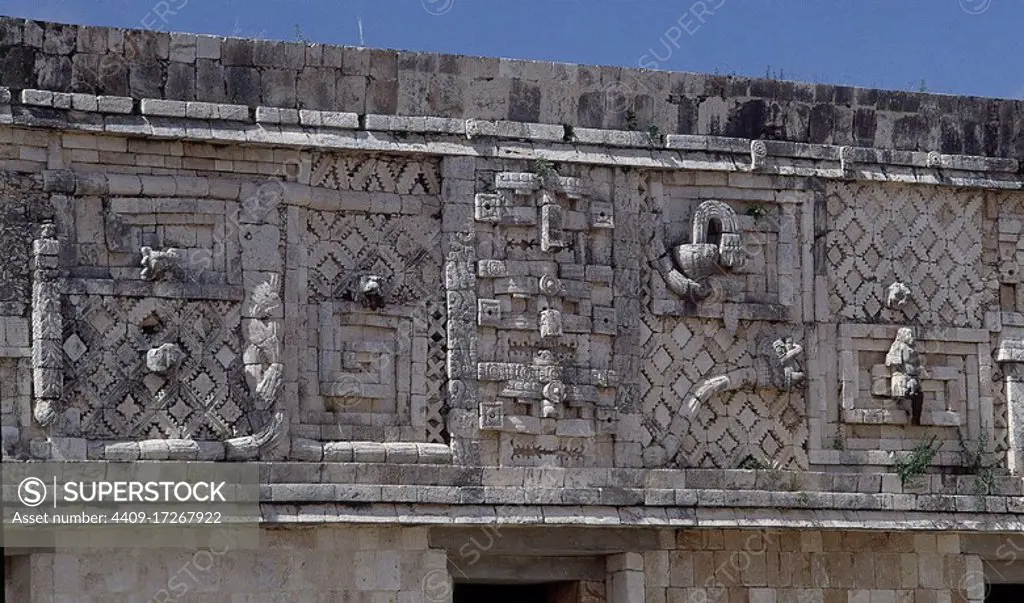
(385, 174)
(682, 354)
(404, 250)
(923, 236)
(105, 343)
(1000, 424)
(436, 407)
(405, 255)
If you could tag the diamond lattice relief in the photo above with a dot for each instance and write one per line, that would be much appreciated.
(880, 234)
(107, 380)
(405, 253)
(343, 246)
(721, 431)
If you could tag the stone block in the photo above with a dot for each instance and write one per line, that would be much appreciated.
(208, 47)
(242, 85)
(166, 108)
(114, 104)
(211, 82)
(42, 98)
(316, 88)
(181, 82)
(278, 87)
(183, 48)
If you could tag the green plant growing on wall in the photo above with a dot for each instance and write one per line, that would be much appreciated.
(757, 211)
(773, 471)
(915, 463)
(976, 461)
(654, 133)
(545, 171)
(631, 123)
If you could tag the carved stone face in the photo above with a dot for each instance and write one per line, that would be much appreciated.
(780, 347)
(371, 291)
(165, 359)
(905, 335)
(896, 295)
(370, 285)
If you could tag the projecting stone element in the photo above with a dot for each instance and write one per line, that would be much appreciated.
(896, 295)
(716, 246)
(550, 323)
(788, 374)
(845, 159)
(47, 326)
(758, 154)
(156, 265)
(552, 237)
(549, 285)
(165, 359)
(371, 291)
(905, 364)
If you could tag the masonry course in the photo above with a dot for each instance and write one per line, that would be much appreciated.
(651, 336)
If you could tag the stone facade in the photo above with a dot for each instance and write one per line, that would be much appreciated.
(475, 327)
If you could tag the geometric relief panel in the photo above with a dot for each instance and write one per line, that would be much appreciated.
(927, 237)
(956, 405)
(404, 252)
(1000, 424)
(107, 382)
(367, 360)
(765, 245)
(22, 208)
(684, 356)
(546, 316)
(377, 173)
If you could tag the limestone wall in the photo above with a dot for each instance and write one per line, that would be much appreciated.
(471, 294)
(825, 567)
(380, 564)
(491, 270)
(366, 564)
(142, 64)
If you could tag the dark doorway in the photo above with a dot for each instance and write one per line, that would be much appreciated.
(548, 592)
(1004, 593)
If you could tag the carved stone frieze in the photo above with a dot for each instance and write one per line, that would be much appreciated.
(712, 397)
(47, 327)
(160, 264)
(928, 378)
(904, 362)
(376, 173)
(164, 359)
(542, 301)
(881, 234)
(715, 246)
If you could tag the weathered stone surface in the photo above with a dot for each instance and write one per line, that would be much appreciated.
(422, 289)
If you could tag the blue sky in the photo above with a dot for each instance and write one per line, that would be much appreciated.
(951, 46)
